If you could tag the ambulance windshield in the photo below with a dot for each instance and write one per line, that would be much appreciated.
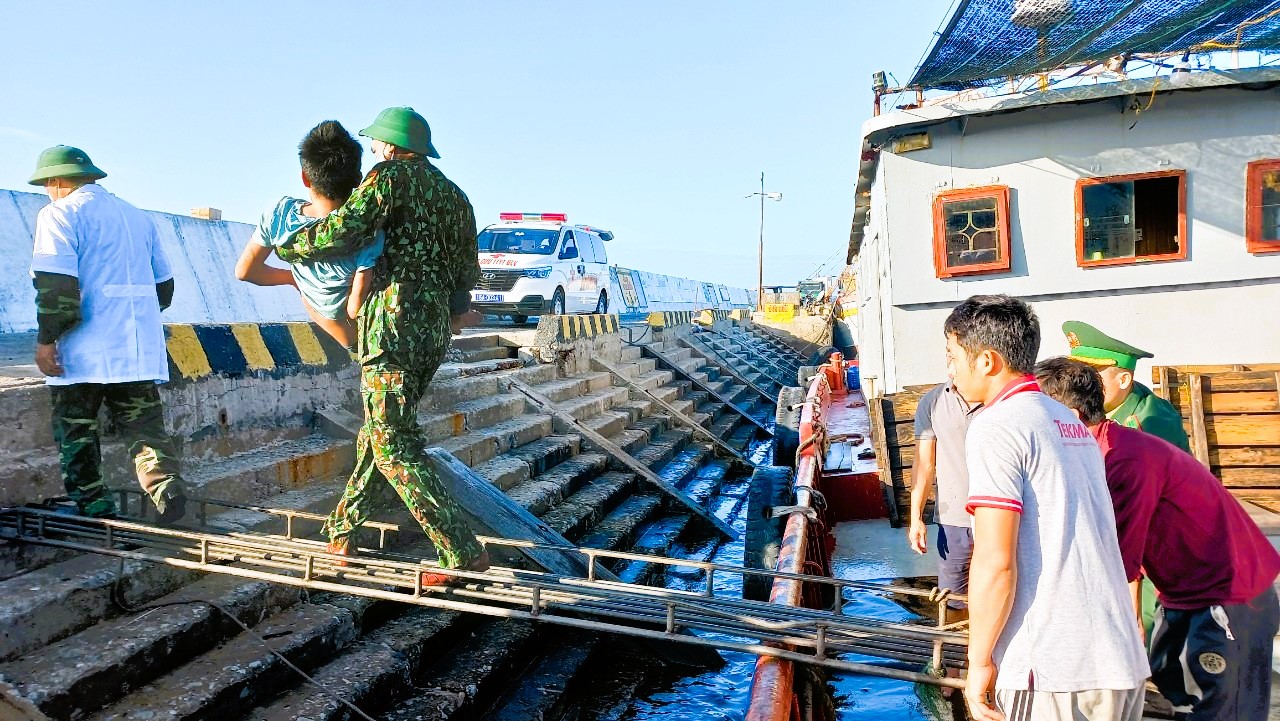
(517, 240)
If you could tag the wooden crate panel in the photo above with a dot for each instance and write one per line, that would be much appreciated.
(1155, 371)
(1223, 402)
(1228, 381)
(897, 435)
(1252, 456)
(1261, 477)
(1252, 430)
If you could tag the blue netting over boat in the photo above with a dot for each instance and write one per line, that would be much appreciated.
(988, 41)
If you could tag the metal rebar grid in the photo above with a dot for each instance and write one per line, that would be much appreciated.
(805, 635)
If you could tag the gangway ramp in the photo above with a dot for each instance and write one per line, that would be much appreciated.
(818, 637)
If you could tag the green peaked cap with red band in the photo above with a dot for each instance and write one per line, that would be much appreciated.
(1092, 346)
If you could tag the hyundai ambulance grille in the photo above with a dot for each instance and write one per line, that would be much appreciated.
(498, 280)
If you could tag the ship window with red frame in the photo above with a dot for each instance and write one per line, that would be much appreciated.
(1126, 219)
(971, 231)
(1262, 207)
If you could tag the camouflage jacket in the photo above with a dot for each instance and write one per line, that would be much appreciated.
(430, 253)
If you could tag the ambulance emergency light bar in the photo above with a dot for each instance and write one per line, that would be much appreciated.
(548, 217)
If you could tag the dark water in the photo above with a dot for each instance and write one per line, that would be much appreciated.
(725, 694)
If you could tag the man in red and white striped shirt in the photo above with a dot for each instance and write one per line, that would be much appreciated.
(1051, 625)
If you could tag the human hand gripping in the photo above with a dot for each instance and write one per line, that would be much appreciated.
(47, 359)
(978, 689)
(918, 536)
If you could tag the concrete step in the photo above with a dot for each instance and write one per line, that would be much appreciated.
(470, 415)
(725, 424)
(590, 503)
(80, 674)
(445, 393)
(372, 672)
(540, 493)
(228, 681)
(510, 469)
(481, 354)
(488, 443)
(454, 369)
(564, 389)
(270, 469)
(475, 342)
(621, 524)
(58, 600)
(547, 453)
(655, 538)
(610, 423)
(540, 692)
(654, 379)
(686, 459)
(472, 676)
(631, 353)
(595, 402)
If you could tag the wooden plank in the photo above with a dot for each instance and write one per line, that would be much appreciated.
(618, 454)
(1156, 371)
(875, 409)
(1247, 456)
(697, 428)
(1199, 439)
(1163, 385)
(904, 404)
(1249, 477)
(1264, 380)
(1226, 402)
(491, 513)
(1244, 430)
(723, 363)
(671, 366)
(902, 456)
(900, 434)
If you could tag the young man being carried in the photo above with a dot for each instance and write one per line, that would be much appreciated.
(332, 290)
(1051, 629)
(1218, 612)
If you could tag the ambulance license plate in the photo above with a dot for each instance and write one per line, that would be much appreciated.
(488, 297)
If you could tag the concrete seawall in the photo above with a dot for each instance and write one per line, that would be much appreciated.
(203, 254)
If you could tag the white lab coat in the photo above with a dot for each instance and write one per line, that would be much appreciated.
(114, 250)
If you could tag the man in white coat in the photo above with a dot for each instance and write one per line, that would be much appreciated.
(101, 280)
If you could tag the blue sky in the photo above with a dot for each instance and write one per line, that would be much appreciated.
(649, 119)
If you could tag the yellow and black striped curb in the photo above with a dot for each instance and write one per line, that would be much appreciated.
(711, 315)
(668, 318)
(572, 327)
(198, 350)
(740, 314)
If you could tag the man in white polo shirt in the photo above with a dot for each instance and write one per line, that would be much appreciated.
(1051, 627)
(101, 280)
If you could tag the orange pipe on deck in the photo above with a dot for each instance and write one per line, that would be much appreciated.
(772, 685)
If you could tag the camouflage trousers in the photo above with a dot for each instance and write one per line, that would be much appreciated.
(136, 413)
(390, 450)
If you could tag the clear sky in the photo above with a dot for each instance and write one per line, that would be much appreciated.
(651, 119)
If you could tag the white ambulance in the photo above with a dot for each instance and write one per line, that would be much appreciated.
(536, 264)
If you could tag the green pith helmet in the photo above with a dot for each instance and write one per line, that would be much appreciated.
(64, 161)
(403, 128)
(1098, 349)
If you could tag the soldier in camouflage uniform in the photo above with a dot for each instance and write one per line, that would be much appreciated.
(423, 278)
(101, 280)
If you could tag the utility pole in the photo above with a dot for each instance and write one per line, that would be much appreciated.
(760, 257)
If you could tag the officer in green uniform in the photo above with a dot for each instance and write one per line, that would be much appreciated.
(423, 278)
(1128, 403)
